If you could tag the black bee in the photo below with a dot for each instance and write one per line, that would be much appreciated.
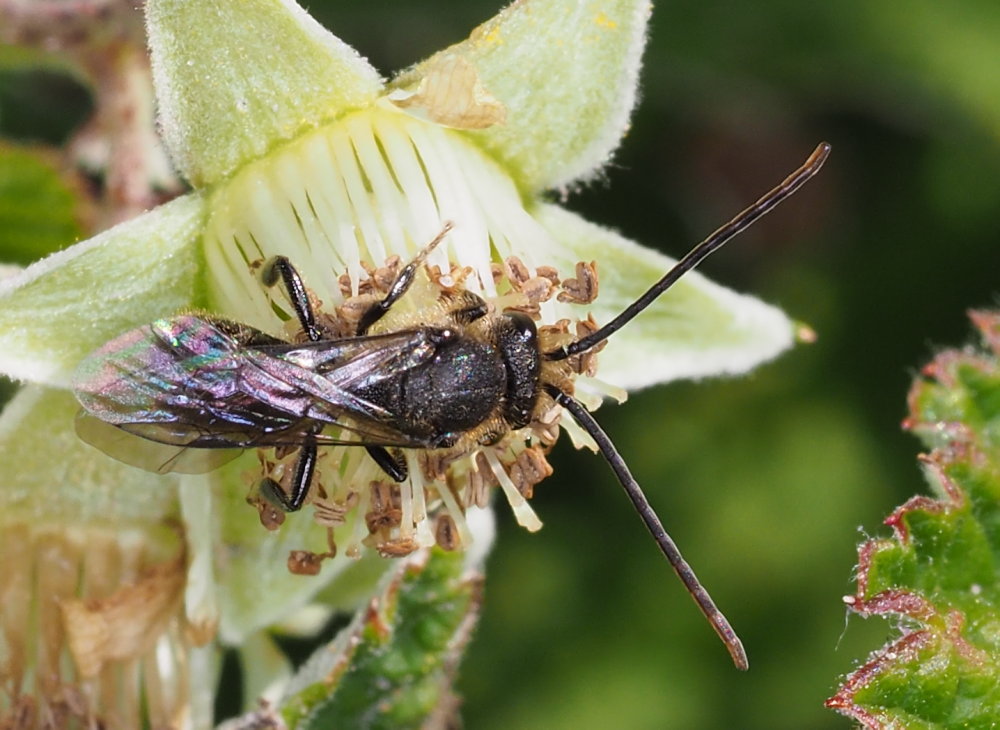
(207, 386)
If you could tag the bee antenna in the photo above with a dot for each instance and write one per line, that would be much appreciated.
(667, 546)
(695, 256)
(422, 254)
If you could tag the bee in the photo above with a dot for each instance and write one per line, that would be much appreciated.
(204, 388)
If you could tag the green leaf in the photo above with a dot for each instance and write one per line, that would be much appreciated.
(941, 573)
(38, 209)
(393, 666)
(697, 328)
(24, 58)
(63, 307)
(235, 79)
(567, 73)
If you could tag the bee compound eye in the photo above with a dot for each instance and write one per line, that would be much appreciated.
(521, 326)
(518, 341)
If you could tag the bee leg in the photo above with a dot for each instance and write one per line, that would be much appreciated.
(394, 467)
(279, 267)
(304, 469)
(468, 308)
(378, 310)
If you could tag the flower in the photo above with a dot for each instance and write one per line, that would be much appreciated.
(294, 145)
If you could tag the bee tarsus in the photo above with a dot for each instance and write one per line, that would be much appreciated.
(394, 466)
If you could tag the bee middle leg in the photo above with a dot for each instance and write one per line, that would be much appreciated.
(391, 465)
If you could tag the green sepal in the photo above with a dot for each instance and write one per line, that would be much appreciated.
(941, 573)
(392, 667)
(234, 79)
(696, 329)
(566, 73)
(264, 666)
(63, 307)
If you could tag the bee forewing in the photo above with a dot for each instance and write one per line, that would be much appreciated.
(149, 455)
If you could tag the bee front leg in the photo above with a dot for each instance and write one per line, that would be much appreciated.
(400, 285)
(279, 267)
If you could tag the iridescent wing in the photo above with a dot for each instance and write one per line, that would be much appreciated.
(176, 381)
(153, 456)
(130, 447)
(203, 383)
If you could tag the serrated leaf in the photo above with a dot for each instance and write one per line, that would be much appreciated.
(38, 209)
(941, 573)
(393, 666)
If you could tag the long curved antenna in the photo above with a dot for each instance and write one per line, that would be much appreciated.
(695, 256)
(667, 546)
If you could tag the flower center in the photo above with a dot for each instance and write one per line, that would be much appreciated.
(377, 183)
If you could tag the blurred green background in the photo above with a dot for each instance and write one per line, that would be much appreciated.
(763, 481)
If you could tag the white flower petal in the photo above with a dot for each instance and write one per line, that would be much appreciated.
(200, 603)
(376, 184)
(696, 329)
